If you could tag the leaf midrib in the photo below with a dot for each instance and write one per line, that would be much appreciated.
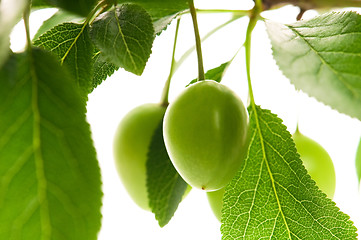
(73, 43)
(124, 41)
(272, 179)
(38, 157)
(258, 129)
(325, 63)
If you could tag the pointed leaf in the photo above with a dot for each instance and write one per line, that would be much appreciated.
(58, 18)
(102, 70)
(322, 58)
(162, 23)
(215, 74)
(71, 43)
(50, 179)
(125, 37)
(165, 186)
(273, 197)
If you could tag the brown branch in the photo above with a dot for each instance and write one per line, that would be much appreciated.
(311, 4)
(299, 16)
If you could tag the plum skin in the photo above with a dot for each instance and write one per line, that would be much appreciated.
(205, 131)
(131, 144)
(215, 200)
(317, 162)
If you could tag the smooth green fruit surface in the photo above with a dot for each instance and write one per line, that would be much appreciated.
(131, 145)
(358, 162)
(205, 133)
(215, 200)
(317, 162)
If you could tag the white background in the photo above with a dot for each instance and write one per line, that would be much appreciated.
(337, 133)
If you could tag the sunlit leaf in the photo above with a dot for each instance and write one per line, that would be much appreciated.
(166, 187)
(71, 43)
(124, 36)
(273, 197)
(50, 184)
(322, 57)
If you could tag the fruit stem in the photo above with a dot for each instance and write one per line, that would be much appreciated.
(164, 99)
(191, 49)
(26, 16)
(198, 40)
(251, 25)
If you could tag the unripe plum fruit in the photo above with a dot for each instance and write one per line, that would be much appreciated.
(358, 161)
(215, 200)
(131, 145)
(205, 133)
(317, 162)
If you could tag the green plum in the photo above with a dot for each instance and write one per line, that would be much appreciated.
(358, 162)
(131, 144)
(205, 132)
(215, 200)
(317, 162)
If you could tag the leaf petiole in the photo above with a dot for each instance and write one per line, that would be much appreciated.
(98, 9)
(191, 49)
(165, 93)
(212, 11)
(26, 16)
(247, 44)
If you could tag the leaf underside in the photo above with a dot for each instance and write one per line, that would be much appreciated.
(50, 184)
(102, 70)
(215, 74)
(58, 18)
(273, 197)
(124, 36)
(70, 42)
(322, 57)
(165, 186)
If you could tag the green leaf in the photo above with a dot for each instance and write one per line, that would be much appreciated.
(215, 74)
(322, 57)
(273, 197)
(58, 18)
(165, 186)
(81, 7)
(8, 20)
(71, 43)
(160, 8)
(161, 11)
(40, 3)
(162, 23)
(124, 36)
(50, 184)
(102, 70)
